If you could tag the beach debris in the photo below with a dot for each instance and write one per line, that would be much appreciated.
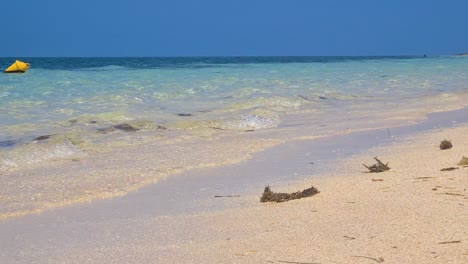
(184, 114)
(454, 194)
(349, 237)
(378, 167)
(450, 242)
(445, 144)
(223, 196)
(269, 196)
(463, 161)
(424, 178)
(294, 262)
(449, 169)
(378, 260)
(374, 180)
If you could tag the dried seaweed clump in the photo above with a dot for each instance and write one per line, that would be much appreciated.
(378, 167)
(449, 169)
(463, 161)
(269, 196)
(445, 144)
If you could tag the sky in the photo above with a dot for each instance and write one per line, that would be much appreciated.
(101, 28)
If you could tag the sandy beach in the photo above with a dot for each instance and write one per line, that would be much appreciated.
(413, 213)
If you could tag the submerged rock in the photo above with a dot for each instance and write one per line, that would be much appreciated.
(44, 137)
(123, 127)
(8, 143)
(126, 128)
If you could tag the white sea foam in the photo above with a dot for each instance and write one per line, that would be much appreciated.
(250, 122)
(38, 152)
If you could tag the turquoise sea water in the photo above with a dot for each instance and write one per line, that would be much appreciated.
(76, 129)
(57, 93)
(61, 94)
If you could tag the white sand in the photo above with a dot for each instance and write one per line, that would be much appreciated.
(417, 214)
(413, 213)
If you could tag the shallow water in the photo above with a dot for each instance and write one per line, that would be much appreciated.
(77, 129)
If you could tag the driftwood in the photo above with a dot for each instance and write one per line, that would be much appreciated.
(449, 169)
(269, 196)
(450, 242)
(378, 260)
(445, 144)
(378, 167)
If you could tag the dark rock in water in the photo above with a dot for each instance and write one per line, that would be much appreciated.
(126, 128)
(445, 144)
(92, 122)
(106, 130)
(161, 127)
(123, 127)
(323, 97)
(73, 121)
(8, 143)
(184, 114)
(269, 196)
(42, 137)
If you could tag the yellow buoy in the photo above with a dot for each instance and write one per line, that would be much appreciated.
(17, 66)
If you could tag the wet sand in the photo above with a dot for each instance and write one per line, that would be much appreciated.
(413, 213)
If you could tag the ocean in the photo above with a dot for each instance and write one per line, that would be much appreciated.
(78, 129)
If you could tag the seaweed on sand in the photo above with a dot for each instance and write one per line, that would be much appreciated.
(463, 161)
(378, 167)
(445, 144)
(449, 169)
(269, 196)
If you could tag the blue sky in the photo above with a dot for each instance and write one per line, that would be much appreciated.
(233, 27)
